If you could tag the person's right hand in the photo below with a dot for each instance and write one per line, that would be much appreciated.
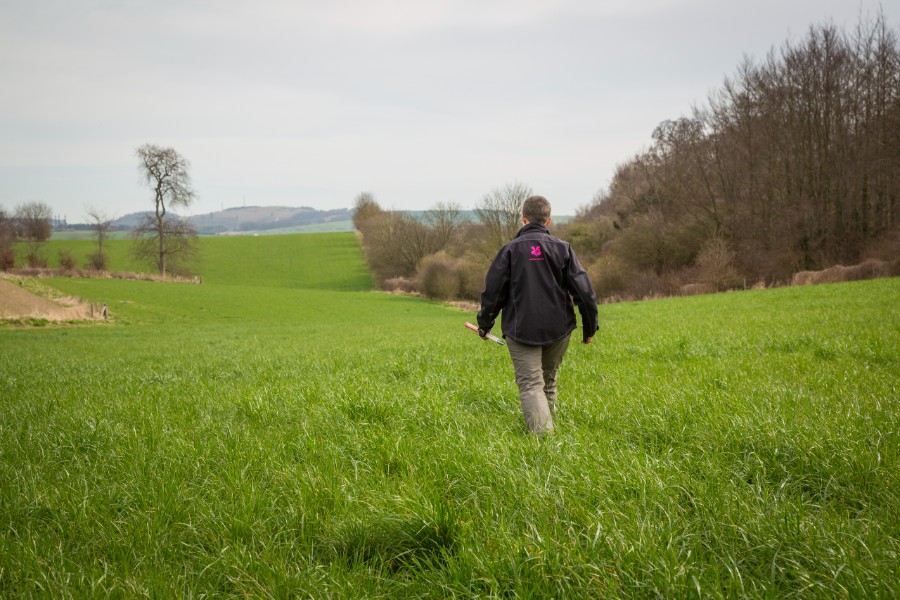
(587, 340)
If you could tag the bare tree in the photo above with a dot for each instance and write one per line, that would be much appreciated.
(101, 223)
(715, 263)
(179, 249)
(444, 218)
(364, 210)
(500, 210)
(33, 225)
(168, 175)
(395, 243)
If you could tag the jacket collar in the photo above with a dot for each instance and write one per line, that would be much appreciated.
(532, 227)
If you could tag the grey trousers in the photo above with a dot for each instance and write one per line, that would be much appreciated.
(536, 368)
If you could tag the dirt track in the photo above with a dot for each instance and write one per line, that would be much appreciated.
(17, 302)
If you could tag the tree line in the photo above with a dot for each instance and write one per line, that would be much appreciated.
(792, 165)
(443, 254)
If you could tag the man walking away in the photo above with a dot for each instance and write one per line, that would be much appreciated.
(534, 280)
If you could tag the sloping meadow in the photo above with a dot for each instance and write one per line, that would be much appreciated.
(274, 439)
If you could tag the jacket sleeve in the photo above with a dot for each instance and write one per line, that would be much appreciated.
(496, 290)
(582, 292)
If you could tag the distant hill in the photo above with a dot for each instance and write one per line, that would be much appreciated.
(271, 220)
(129, 221)
(253, 219)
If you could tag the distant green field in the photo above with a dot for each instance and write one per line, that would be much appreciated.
(87, 235)
(281, 432)
(320, 260)
(316, 260)
(118, 253)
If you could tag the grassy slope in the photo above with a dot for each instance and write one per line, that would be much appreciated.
(317, 261)
(248, 440)
(321, 260)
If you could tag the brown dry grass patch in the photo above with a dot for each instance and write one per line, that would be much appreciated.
(869, 269)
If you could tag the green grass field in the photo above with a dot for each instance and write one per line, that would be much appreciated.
(280, 431)
(316, 261)
(86, 235)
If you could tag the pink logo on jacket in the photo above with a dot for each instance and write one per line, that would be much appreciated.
(535, 250)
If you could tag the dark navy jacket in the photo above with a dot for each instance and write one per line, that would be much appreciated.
(534, 280)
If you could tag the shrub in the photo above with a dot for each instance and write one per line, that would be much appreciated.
(655, 242)
(394, 244)
(34, 259)
(96, 261)
(472, 270)
(588, 236)
(610, 276)
(771, 264)
(715, 265)
(438, 277)
(886, 247)
(647, 284)
(66, 260)
(7, 259)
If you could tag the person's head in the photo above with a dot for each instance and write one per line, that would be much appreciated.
(536, 209)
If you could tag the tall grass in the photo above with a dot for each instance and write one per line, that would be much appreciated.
(241, 440)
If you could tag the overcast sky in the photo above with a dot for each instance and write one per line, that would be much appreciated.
(309, 103)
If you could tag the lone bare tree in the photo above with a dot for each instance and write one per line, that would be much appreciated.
(167, 173)
(179, 248)
(100, 223)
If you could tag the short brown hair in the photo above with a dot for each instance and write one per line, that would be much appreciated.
(536, 209)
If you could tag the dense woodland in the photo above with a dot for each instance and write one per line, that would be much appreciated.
(792, 165)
